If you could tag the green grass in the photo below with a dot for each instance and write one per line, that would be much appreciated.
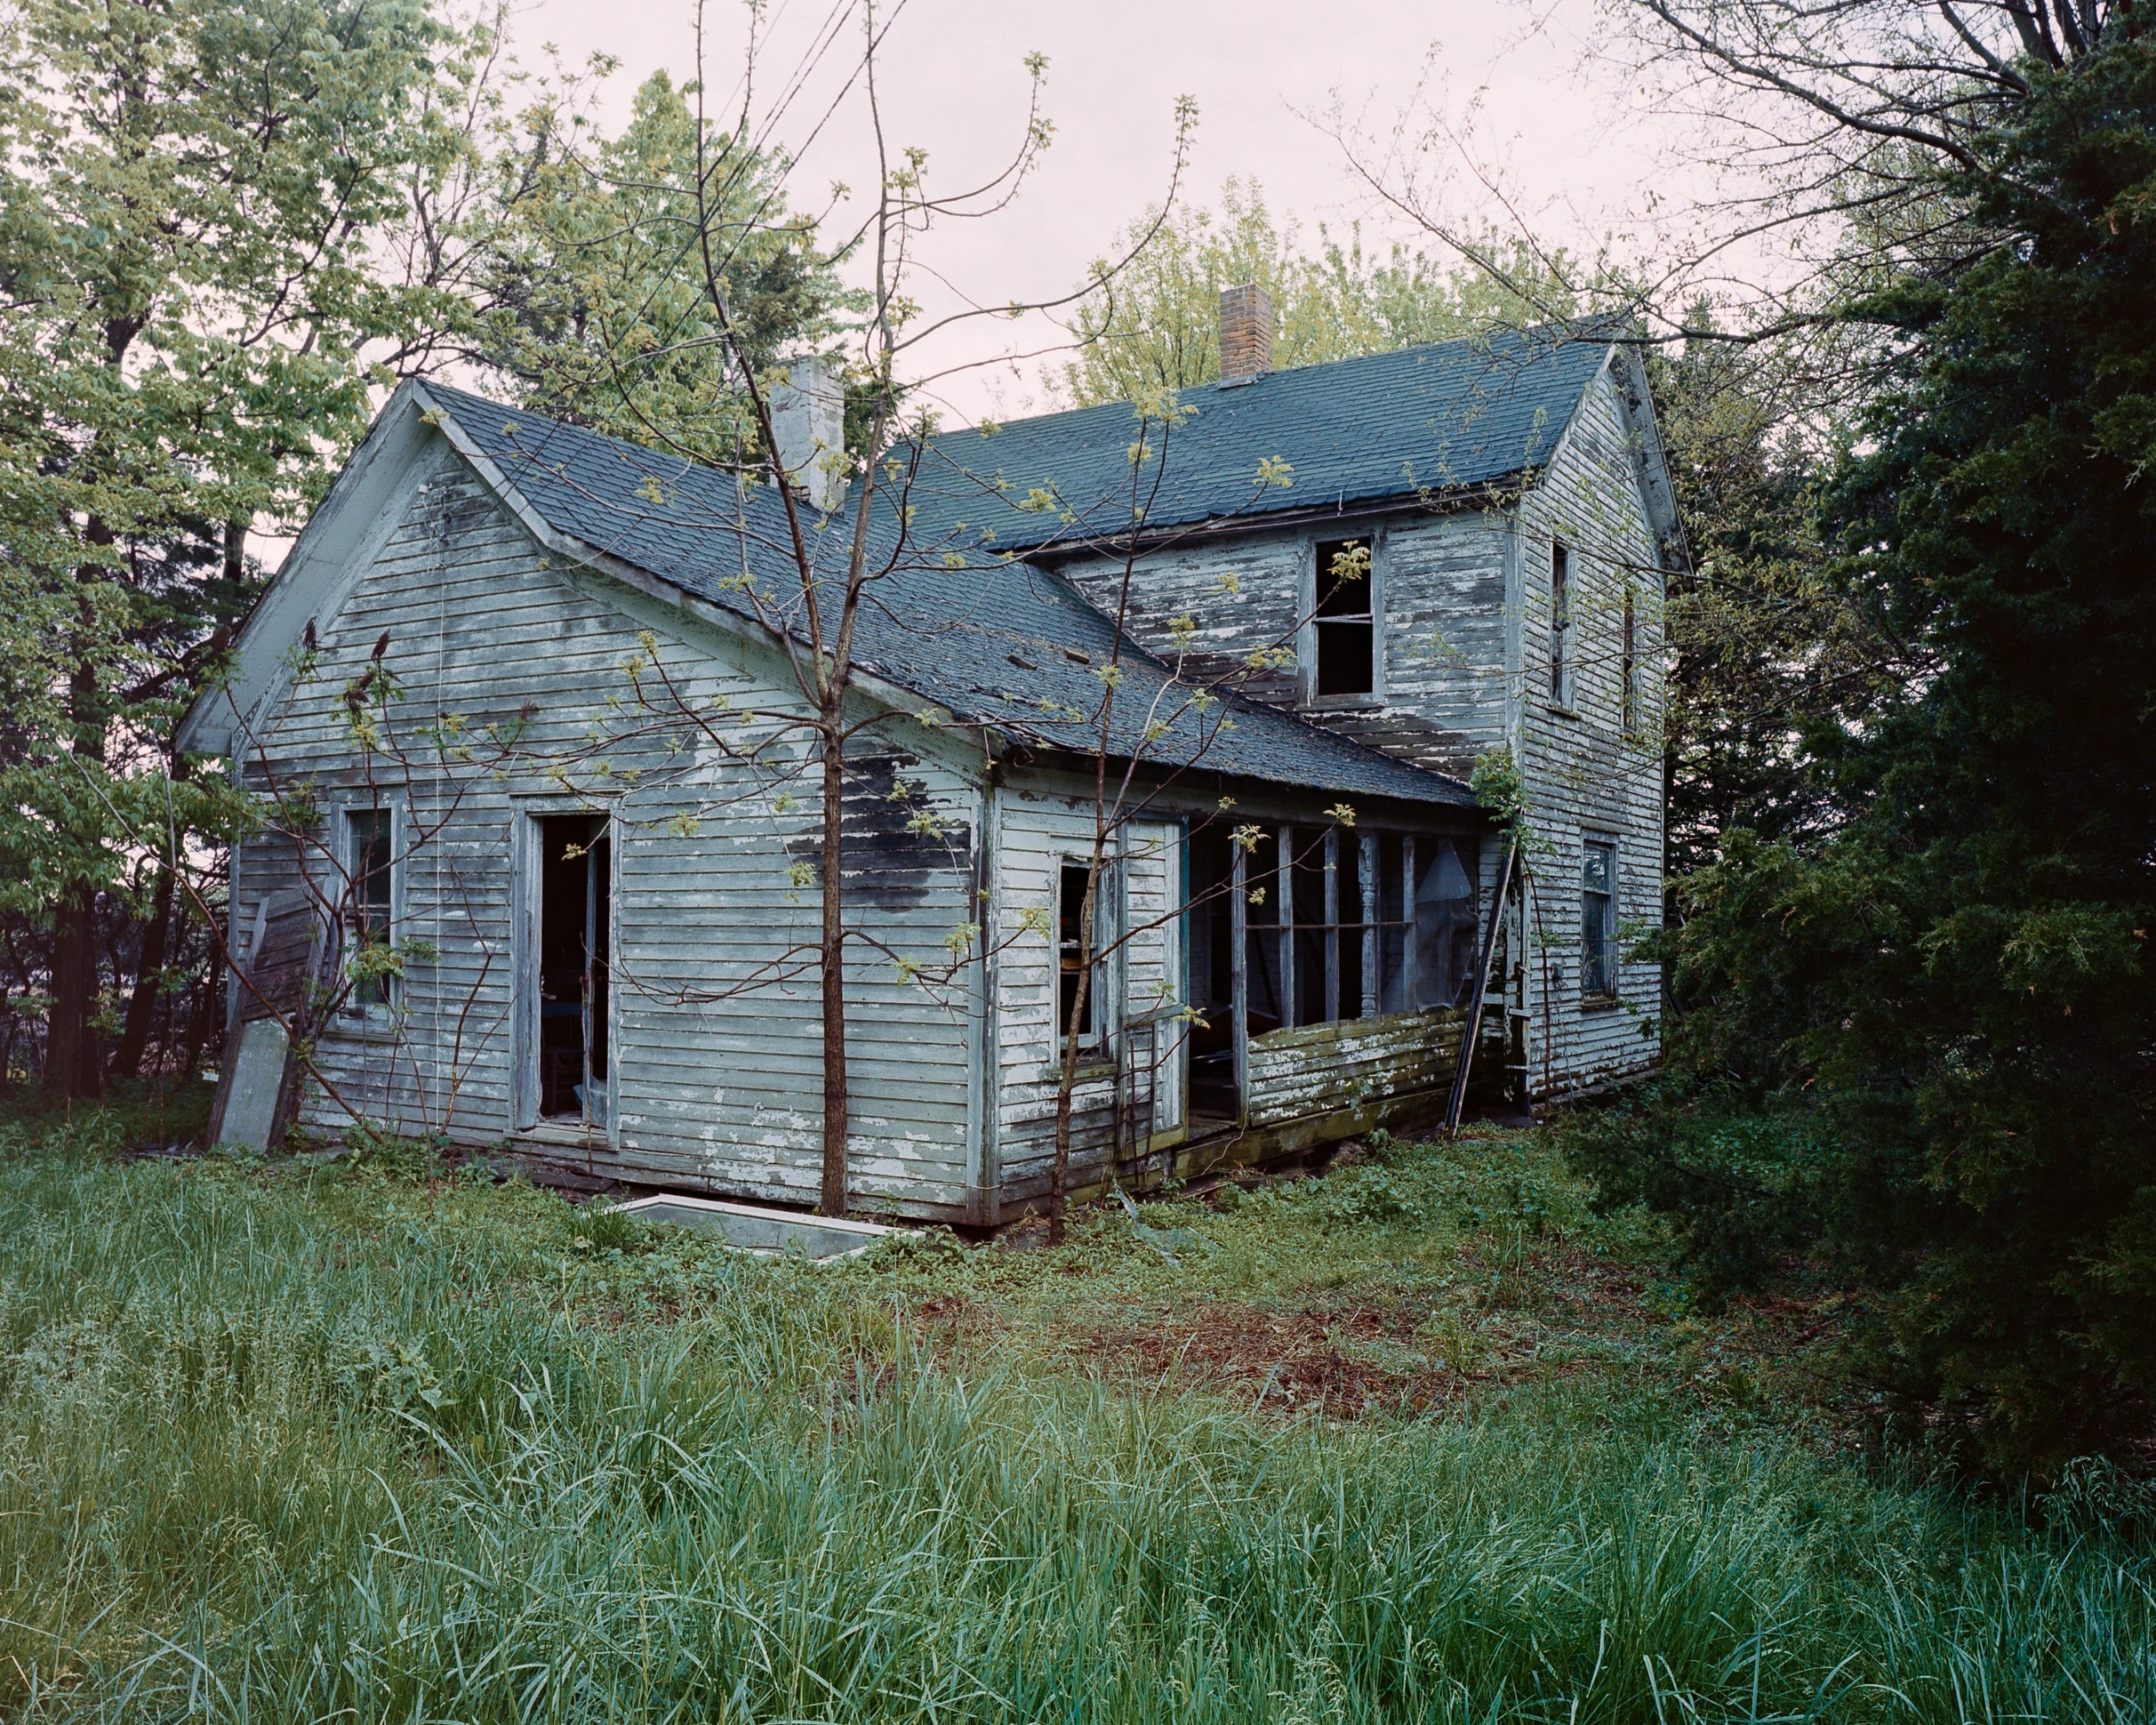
(302, 1442)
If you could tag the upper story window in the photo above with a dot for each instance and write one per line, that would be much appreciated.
(1628, 671)
(1560, 623)
(1344, 620)
(370, 864)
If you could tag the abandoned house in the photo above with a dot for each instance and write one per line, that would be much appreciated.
(523, 709)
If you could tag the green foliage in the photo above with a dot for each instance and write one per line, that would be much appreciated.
(1746, 1181)
(1156, 326)
(1501, 791)
(191, 195)
(1959, 979)
(600, 309)
(340, 1444)
(1766, 646)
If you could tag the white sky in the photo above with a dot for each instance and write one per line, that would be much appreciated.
(1575, 151)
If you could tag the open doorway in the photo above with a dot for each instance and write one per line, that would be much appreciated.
(575, 913)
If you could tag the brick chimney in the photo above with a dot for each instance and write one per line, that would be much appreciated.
(1245, 333)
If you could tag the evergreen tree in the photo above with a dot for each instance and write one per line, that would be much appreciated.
(1961, 976)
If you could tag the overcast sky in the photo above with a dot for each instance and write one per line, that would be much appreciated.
(1261, 71)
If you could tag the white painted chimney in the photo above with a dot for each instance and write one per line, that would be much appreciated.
(1245, 333)
(808, 422)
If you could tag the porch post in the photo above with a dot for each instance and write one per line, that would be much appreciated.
(1410, 999)
(1238, 976)
(1284, 913)
(1369, 925)
(1332, 925)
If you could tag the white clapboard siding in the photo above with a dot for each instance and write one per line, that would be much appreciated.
(1583, 774)
(1463, 660)
(1035, 834)
(717, 1074)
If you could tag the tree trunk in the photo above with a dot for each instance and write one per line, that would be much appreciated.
(149, 981)
(72, 1066)
(833, 1200)
(202, 1022)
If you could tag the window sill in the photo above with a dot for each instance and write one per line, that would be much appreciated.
(1343, 703)
(1558, 710)
(368, 1028)
(1090, 1067)
(1600, 1003)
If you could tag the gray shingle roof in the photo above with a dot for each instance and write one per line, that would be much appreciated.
(1454, 415)
(999, 643)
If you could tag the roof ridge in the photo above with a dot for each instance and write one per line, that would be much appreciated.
(1579, 332)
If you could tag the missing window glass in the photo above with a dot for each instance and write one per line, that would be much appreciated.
(1345, 619)
(1073, 948)
(1560, 623)
(370, 860)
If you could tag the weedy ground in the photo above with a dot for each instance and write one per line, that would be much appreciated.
(370, 1438)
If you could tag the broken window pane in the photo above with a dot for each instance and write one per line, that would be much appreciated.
(1599, 918)
(1392, 927)
(1072, 949)
(1445, 922)
(1560, 623)
(1343, 619)
(369, 835)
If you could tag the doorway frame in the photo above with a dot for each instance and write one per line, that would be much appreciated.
(524, 899)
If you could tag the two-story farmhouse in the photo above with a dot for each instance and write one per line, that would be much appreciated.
(540, 857)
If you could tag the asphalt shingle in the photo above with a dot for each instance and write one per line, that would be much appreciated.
(1455, 415)
(1005, 643)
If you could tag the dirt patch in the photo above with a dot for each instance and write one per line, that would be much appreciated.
(1344, 1365)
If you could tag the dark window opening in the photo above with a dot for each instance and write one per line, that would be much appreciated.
(1628, 695)
(1315, 931)
(1072, 951)
(1344, 619)
(1560, 621)
(1598, 920)
(369, 834)
(575, 906)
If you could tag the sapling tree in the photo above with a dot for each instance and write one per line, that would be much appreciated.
(836, 557)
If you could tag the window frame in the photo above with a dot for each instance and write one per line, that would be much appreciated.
(1097, 1039)
(358, 1011)
(1309, 624)
(1606, 988)
(1560, 596)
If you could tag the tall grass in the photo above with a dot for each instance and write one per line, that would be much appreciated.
(310, 1449)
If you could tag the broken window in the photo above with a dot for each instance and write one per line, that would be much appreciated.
(1344, 619)
(1338, 932)
(575, 897)
(1446, 930)
(1072, 949)
(1598, 919)
(368, 903)
(1628, 669)
(1560, 623)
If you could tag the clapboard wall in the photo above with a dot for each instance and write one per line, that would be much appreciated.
(1037, 831)
(1584, 773)
(715, 1023)
(1462, 669)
